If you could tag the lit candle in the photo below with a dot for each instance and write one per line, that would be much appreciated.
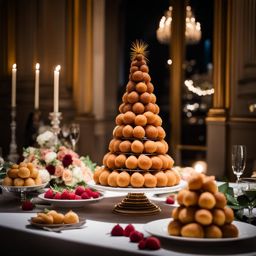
(56, 89)
(37, 86)
(14, 71)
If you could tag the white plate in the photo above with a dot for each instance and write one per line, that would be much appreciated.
(70, 203)
(23, 188)
(42, 225)
(161, 199)
(178, 187)
(159, 228)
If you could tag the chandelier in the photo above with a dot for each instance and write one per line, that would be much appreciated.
(193, 29)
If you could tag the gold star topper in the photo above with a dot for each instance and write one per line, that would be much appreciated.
(139, 47)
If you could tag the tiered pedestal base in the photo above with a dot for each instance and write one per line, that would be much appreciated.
(136, 204)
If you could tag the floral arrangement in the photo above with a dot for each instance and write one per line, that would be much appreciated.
(58, 164)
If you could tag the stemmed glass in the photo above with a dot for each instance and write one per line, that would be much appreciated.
(74, 134)
(238, 163)
(248, 187)
(1, 160)
(64, 134)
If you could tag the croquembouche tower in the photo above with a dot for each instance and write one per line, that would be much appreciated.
(137, 156)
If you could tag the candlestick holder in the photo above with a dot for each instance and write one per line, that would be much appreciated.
(55, 118)
(13, 155)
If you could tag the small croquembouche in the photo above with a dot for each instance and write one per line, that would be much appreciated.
(137, 154)
(202, 211)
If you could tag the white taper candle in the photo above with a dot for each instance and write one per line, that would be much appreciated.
(56, 89)
(14, 73)
(37, 86)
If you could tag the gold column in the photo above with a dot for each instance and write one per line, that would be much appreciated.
(82, 61)
(217, 136)
(76, 16)
(177, 47)
(69, 44)
(221, 65)
(88, 59)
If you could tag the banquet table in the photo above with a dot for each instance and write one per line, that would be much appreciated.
(18, 237)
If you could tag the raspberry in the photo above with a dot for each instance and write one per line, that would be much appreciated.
(95, 194)
(169, 200)
(57, 196)
(78, 197)
(89, 191)
(27, 205)
(128, 229)
(152, 243)
(136, 236)
(65, 195)
(72, 195)
(142, 244)
(85, 196)
(49, 194)
(79, 190)
(117, 230)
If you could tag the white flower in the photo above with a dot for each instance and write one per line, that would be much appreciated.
(49, 157)
(45, 138)
(29, 151)
(45, 176)
(77, 174)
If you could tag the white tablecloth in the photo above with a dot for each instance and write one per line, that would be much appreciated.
(18, 237)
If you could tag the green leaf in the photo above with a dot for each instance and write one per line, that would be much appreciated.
(230, 191)
(242, 200)
(88, 162)
(231, 200)
(223, 188)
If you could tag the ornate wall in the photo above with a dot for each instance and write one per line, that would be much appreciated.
(79, 35)
(232, 120)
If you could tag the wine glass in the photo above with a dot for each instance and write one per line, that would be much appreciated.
(248, 187)
(1, 166)
(74, 134)
(1, 159)
(238, 163)
(64, 134)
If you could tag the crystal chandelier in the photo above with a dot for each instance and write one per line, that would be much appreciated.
(193, 29)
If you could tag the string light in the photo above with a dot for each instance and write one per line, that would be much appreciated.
(197, 90)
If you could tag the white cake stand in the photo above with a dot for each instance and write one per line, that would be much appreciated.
(136, 202)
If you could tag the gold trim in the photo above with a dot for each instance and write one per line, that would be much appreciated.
(218, 112)
(192, 147)
(243, 119)
(215, 119)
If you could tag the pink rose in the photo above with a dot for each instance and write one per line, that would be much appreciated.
(62, 148)
(58, 171)
(87, 173)
(73, 154)
(44, 152)
(77, 162)
(61, 155)
(67, 175)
